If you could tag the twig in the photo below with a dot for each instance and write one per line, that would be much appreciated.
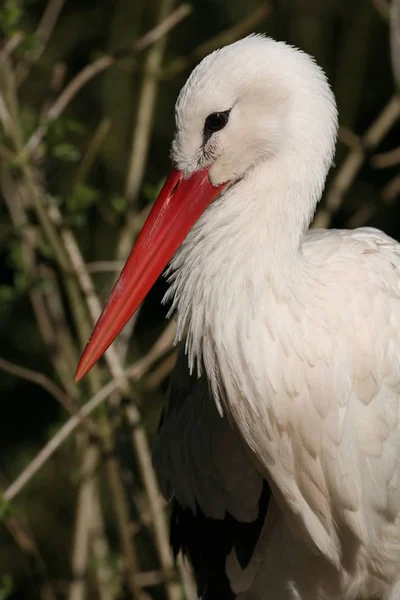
(134, 372)
(395, 40)
(349, 138)
(90, 71)
(146, 105)
(105, 266)
(20, 532)
(382, 7)
(40, 379)
(391, 191)
(5, 117)
(164, 26)
(139, 152)
(161, 372)
(187, 578)
(354, 161)
(223, 38)
(120, 506)
(80, 549)
(107, 578)
(46, 306)
(43, 33)
(11, 45)
(386, 159)
(95, 143)
(66, 96)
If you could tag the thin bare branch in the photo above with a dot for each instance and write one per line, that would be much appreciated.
(139, 153)
(391, 191)
(94, 146)
(90, 71)
(223, 38)
(11, 45)
(354, 161)
(21, 533)
(43, 33)
(382, 7)
(108, 578)
(395, 40)
(120, 506)
(143, 124)
(165, 26)
(105, 266)
(39, 379)
(134, 372)
(82, 530)
(386, 160)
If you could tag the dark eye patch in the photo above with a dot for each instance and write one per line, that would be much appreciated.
(215, 122)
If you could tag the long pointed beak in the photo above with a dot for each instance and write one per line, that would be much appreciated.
(177, 208)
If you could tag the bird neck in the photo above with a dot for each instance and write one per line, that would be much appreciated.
(244, 253)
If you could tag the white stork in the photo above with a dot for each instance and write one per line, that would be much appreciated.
(281, 451)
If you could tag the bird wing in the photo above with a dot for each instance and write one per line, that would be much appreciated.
(320, 411)
(219, 498)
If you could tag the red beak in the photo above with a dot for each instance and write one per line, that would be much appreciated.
(177, 208)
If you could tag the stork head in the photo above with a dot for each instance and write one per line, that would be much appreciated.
(249, 102)
(255, 101)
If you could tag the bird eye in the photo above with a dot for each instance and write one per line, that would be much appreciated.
(216, 121)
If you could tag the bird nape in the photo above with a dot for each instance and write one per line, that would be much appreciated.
(280, 438)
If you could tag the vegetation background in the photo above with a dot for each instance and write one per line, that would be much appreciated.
(87, 92)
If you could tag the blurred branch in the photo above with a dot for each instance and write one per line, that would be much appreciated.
(139, 153)
(145, 111)
(161, 372)
(135, 372)
(139, 438)
(45, 300)
(83, 521)
(95, 143)
(93, 69)
(386, 160)
(107, 577)
(105, 266)
(131, 566)
(164, 26)
(382, 7)
(349, 138)
(43, 33)
(395, 40)
(22, 536)
(61, 242)
(39, 379)
(392, 190)
(11, 45)
(66, 96)
(244, 27)
(354, 161)
(185, 571)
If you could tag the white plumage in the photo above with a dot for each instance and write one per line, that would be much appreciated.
(280, 439)
(295, 336)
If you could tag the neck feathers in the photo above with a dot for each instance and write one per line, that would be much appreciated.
(242, 253)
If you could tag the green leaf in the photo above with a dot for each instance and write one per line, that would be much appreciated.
(28, 44)
(67, 152)
(21, 281)
(118, 203)
(6, 509)
(82, 198)
(10, 16)
(28, 119)
(151, 191)
(6, 587)
(7, 295)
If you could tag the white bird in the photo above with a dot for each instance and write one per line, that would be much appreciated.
(281, 449)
